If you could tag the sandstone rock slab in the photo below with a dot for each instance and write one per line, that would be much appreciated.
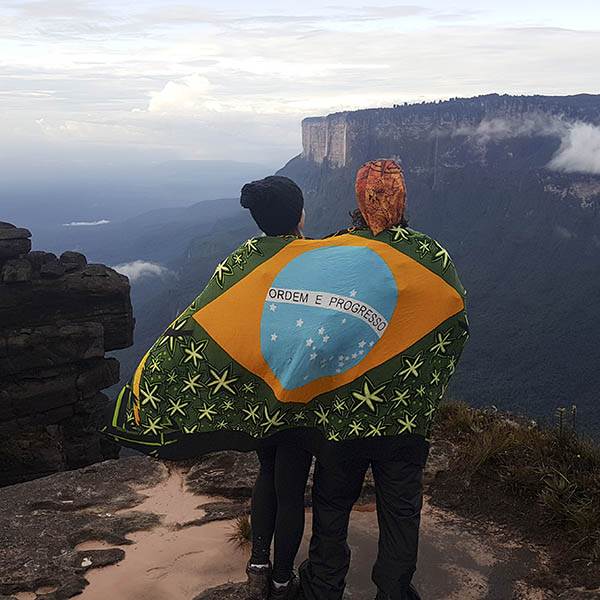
(13, 248)
(42, 522)
(14, 233)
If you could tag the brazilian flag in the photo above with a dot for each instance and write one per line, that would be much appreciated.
(350, 337)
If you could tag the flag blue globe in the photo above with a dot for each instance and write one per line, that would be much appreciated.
(324, 313)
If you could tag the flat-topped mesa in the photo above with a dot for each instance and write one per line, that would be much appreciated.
(341, 139)
(58, 316)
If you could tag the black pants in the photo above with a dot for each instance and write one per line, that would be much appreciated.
(399, 493)
(278, 507)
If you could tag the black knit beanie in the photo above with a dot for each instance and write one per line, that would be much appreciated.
(275, 203)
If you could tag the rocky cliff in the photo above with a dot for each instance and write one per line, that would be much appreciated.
(58, 317)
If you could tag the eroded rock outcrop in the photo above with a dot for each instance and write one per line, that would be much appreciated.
(58, 317)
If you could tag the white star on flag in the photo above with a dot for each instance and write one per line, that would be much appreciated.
(338, 370)
(273, 308)
(361, 351)
(273, 337)
(354, 355)
(362, 344)
(341, 357)
(352, 293)
(343, 320)
(347, 358)
(313, 356)
(341, 363)
(371, 344)
(309, 342)
(325, 338)
(299, 323)
(321, 331)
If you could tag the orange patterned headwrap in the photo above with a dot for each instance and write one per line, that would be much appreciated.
(381, 194)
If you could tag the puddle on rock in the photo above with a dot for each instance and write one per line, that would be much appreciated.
(171, 500)
(163, 564)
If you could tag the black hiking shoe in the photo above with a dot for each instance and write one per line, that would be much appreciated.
(259, 580)
(288, 592)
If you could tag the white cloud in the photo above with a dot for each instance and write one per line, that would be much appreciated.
(579, 150)
(86, 223)
(140, 268)
(500, 128)
(188, 94)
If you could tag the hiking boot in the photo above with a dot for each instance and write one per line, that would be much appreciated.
(288, 592)
(257, 586)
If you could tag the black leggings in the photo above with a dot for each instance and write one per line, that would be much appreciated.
(278, 507)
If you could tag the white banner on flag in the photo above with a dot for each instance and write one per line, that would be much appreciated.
(350, 306)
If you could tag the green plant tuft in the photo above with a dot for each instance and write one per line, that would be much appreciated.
(241, 535)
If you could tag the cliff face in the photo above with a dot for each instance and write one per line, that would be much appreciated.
(58, 316)
(326, 137)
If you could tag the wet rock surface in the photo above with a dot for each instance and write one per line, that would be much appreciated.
(55, 529)
(42, 522)
(58, 317)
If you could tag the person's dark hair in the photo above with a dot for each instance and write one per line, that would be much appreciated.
(359, 222)
(275, 203)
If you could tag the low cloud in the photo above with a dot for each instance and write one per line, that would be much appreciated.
(86, 223)
(579, 150)
(498, 128)
(140, 268)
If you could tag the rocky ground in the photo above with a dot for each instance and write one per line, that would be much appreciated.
(139, 528)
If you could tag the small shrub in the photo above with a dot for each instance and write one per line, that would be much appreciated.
(458, 416)
(241, 535)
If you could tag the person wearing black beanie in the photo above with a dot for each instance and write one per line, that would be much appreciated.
(276, 204)
(277, 508)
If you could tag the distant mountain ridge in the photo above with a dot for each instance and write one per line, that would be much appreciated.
(525, 237)
(91, 193)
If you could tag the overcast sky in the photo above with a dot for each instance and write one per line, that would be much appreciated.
(84, 80)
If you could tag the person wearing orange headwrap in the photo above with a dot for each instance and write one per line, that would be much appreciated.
(397, 463)
(381, 194)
